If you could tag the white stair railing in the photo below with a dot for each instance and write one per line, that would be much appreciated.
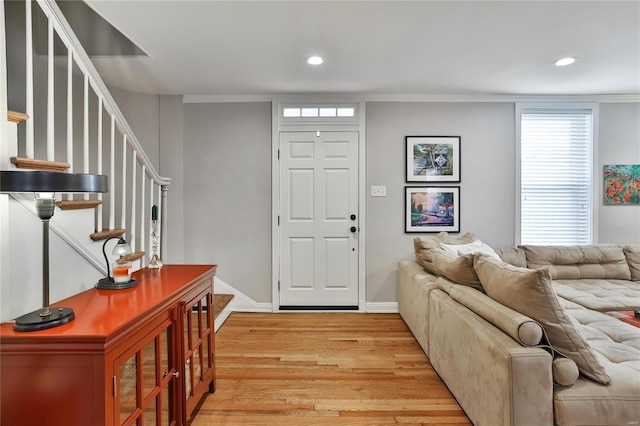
(131, 192)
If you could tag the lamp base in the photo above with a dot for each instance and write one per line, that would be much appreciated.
(43, 319)
(109, 284)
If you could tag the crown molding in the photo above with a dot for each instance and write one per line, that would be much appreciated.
(221, 99)
(602, 98)
(502, 98)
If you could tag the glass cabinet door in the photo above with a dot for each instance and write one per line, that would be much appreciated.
(198, 345)
(147, 383)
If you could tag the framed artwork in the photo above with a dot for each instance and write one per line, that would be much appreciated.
(432, 158)
(622, 184)
(432, 209)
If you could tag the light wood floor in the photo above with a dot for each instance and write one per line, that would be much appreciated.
(318, 369)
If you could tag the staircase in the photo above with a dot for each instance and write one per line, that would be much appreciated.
(68, 127)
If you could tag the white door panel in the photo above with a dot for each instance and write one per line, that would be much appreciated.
(318, 195)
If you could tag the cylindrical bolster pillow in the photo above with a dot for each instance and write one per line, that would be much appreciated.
(520, 327)
(529, 332)
(565, 371)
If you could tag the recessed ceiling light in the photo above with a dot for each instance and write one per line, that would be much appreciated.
(564, 62)
(315, 60)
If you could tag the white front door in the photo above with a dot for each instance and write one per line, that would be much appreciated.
(318, 219)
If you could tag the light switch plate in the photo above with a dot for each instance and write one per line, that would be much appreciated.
(379, 191)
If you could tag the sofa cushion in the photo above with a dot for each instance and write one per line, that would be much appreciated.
(512, 255)
(458, 269)
(604, 261)
(632, 253)
(529, 292)
(600, 295)
(612, 340)
(425, 246)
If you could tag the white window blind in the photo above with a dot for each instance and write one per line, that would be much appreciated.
(555, 176)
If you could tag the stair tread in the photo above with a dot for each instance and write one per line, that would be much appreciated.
(30, 163)
(132, 257)
(78, 204)
(106, 233)
(220, 301)
(17, 117)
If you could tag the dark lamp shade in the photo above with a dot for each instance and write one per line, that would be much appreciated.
(37, 181)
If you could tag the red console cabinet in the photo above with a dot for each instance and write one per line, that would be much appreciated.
(143, 355)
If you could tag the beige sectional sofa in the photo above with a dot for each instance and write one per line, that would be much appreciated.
(520, 336)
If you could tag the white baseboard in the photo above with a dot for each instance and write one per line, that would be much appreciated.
(243, 303)
(382, 308)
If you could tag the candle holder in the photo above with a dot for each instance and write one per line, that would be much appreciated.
(121, 268)
(155, 262)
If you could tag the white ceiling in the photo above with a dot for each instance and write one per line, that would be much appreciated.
(375, 47)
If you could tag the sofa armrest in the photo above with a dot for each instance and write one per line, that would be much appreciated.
(494, 378)
(414, 285)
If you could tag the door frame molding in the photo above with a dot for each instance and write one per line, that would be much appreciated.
(357, 124)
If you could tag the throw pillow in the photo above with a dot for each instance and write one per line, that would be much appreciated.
(424, 247)
(476, 246)
(632, 253)
(529, 292)
(513, 255)
(458, 269)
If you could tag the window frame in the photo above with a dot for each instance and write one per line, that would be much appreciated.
(596, 173)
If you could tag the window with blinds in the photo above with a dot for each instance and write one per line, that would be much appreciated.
(555, 176)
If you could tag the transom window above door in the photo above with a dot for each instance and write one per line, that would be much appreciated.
(319, 112)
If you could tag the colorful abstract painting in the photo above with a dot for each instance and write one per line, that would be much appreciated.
(622, 184)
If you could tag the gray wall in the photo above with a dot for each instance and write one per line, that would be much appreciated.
(227, 172)
(172, 166)
(227, 192)
(619, 144)
(142, 112)
(487, 178)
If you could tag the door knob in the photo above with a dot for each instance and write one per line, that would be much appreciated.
(354, 229)
(353, 217)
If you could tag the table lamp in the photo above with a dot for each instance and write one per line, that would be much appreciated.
(44, 184)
